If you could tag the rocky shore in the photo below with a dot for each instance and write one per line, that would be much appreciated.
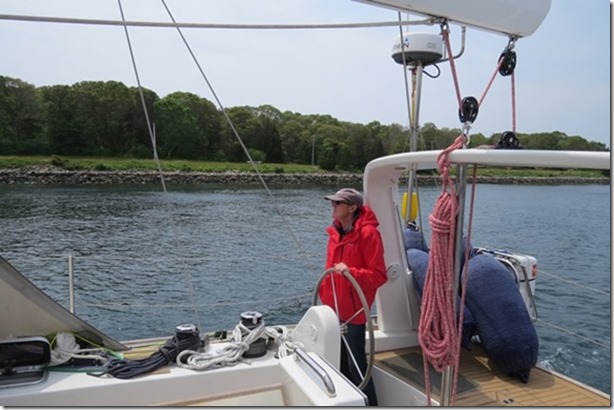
(53, 175)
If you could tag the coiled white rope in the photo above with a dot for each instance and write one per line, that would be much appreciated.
(232, 353)
(67, 348)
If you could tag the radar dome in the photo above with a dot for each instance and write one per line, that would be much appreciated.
(425, 48)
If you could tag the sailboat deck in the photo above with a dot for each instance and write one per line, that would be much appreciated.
(488, 387)
(480, 383)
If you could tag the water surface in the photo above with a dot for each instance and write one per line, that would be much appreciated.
(146, 261)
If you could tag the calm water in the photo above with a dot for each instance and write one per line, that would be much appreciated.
(146, 261)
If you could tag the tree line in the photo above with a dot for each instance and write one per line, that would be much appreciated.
(107, 118)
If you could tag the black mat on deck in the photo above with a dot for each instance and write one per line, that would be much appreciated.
(410, 366)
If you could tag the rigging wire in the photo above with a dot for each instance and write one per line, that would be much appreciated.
(123, 305)
(238, 137)
(177, 25)
(174, 225)
(542, 272)
(156, 157)
(573, 334)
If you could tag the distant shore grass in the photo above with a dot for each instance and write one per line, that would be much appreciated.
(133, 164)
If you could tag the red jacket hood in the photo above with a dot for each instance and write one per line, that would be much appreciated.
(365, 217)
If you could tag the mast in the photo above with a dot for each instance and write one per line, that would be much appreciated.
(415, 51)
(414, 126)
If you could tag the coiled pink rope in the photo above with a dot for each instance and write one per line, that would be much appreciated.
(437, 332)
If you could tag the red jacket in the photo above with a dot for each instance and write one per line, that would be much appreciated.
(362, 251)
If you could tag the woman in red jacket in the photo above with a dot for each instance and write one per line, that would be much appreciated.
(354, 244)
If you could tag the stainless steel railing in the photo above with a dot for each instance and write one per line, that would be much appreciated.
(319, 371)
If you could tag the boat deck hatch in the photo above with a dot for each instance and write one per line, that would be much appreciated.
(23, 361)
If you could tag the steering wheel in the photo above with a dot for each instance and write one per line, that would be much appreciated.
(365, 309)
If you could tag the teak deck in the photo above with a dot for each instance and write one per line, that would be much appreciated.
(494, 388)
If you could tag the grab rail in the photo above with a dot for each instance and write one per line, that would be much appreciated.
(326, 379)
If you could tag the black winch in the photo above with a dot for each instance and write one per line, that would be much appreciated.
(252, 320)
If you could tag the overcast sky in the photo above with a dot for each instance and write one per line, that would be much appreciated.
(562, 76)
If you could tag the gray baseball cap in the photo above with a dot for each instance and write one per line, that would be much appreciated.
(348, 195)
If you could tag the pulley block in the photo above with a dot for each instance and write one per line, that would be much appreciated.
(468, 110)
(508, 140)
(509, 62)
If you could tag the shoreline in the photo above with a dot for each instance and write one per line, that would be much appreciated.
(58, 176)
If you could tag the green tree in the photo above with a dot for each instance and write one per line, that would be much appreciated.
(177, 131)
(297, 140)
(97, 118)
(429, 134)
(63, 129)
(208, 119)
(269, 112)
(269, 141)
(106, 118)
(392, 137)
(142, 145)
(574, 143)
(331, 151)
(359, 147)
(113, 126)
(21, 118)
(256, 129)
(478, 139)
(541, 140)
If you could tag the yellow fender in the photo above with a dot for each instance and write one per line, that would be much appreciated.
(414, 206)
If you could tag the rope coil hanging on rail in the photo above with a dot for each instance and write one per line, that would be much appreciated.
(438, 331)
(437, 328)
